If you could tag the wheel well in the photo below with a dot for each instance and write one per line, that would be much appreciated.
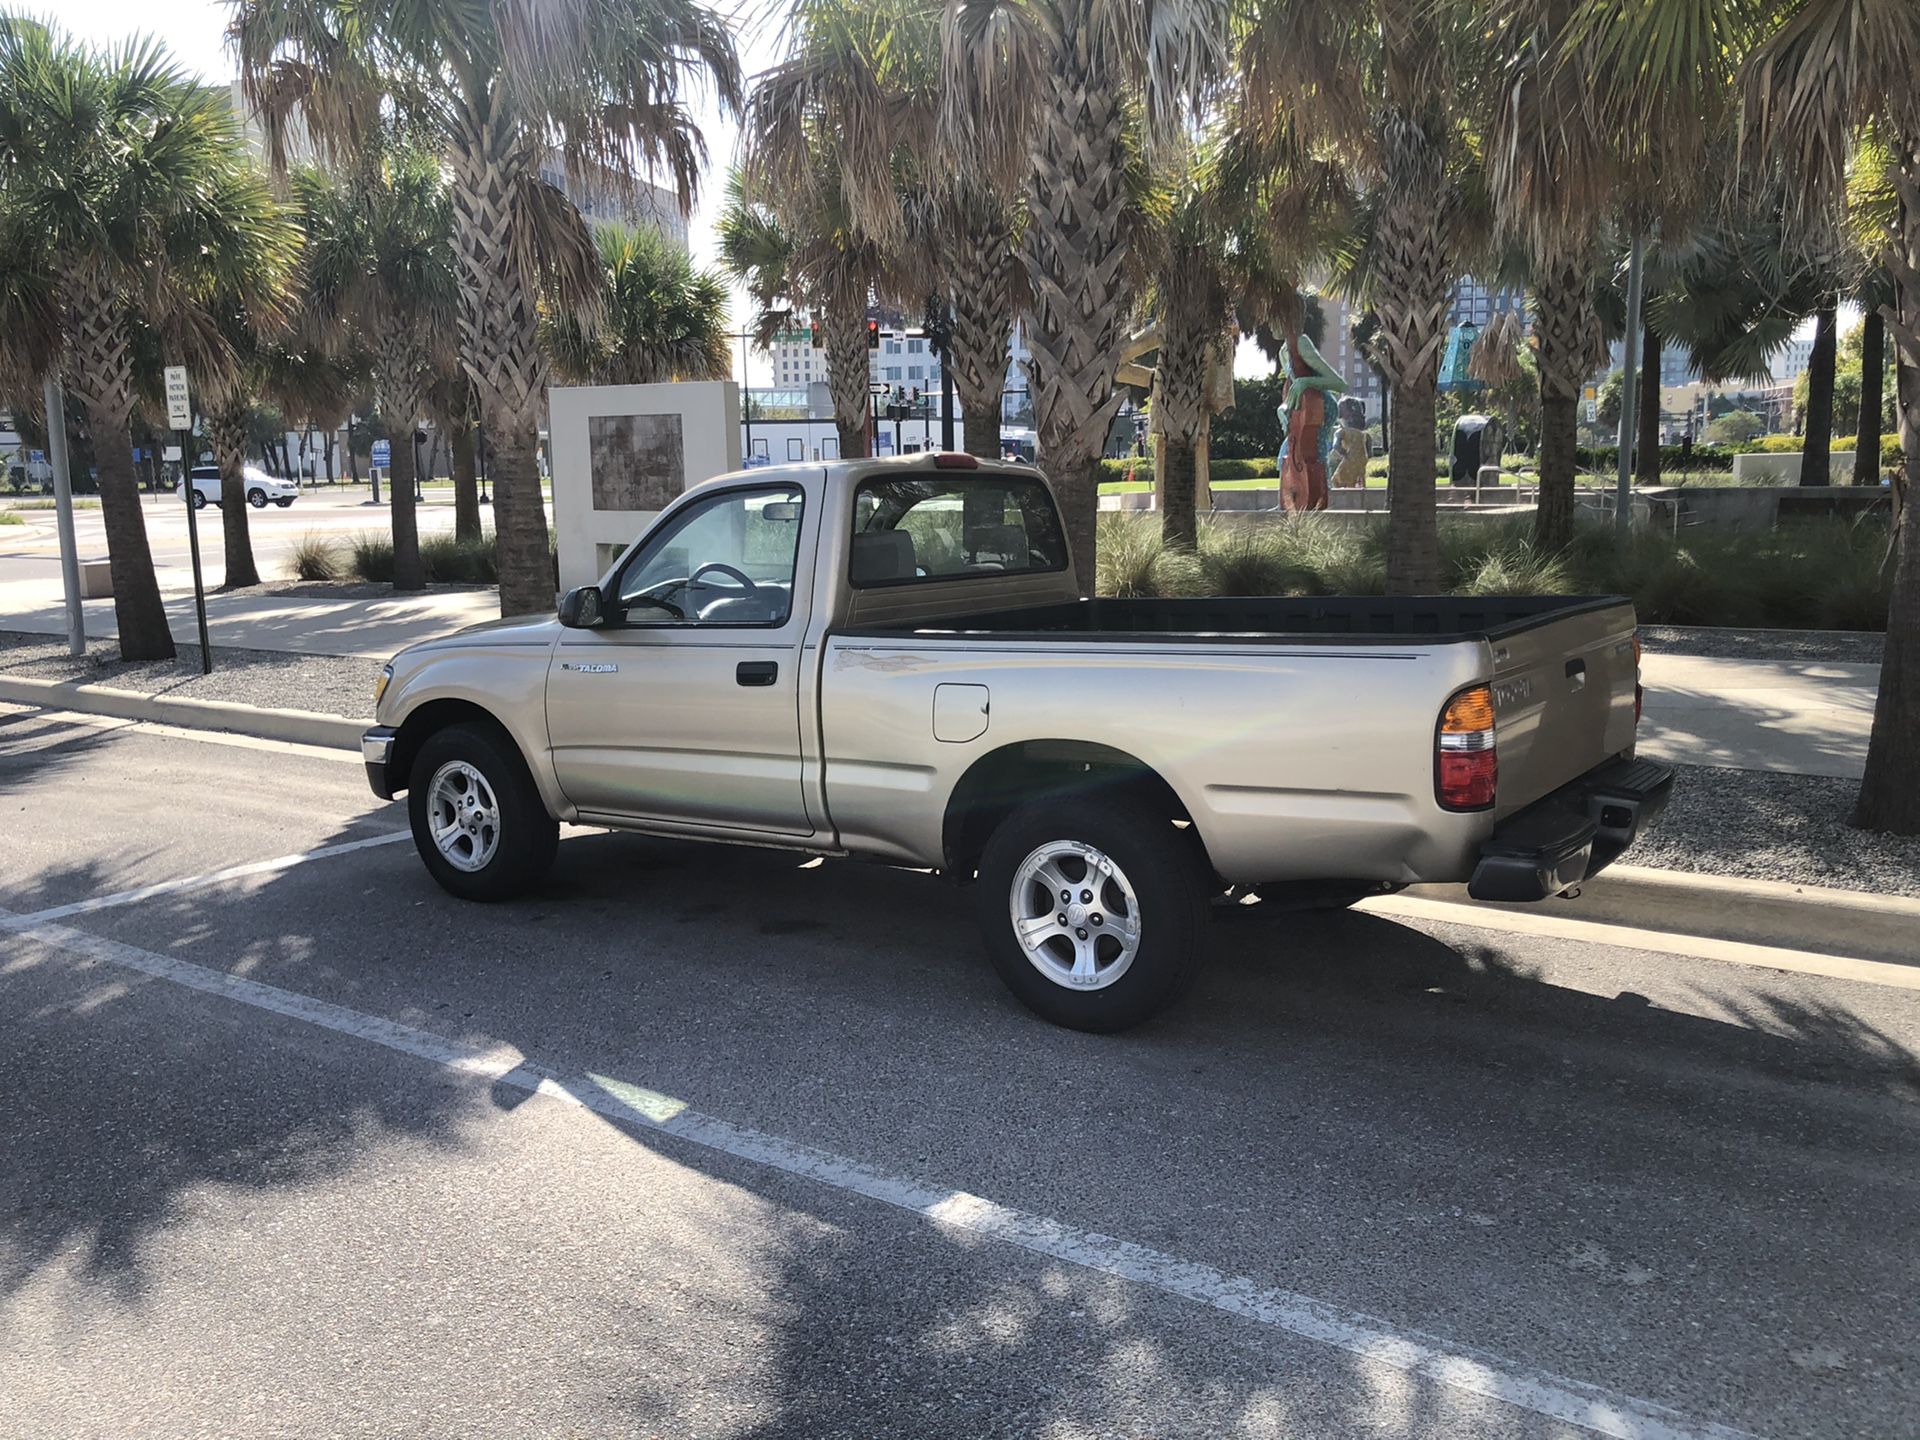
(435, 715)
(1043, 769)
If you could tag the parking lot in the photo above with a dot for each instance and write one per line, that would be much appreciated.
(713, 1141)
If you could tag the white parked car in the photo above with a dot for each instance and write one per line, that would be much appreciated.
(260, 487)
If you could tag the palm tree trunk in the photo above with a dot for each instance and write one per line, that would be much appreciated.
(1647, 459)
(1415, 271)
(844, 328)
(499, 339)
(1179, 515)
(228, 428)
(1073, 250)
(466, 487)
(520, 549)
(1873, 391)
(1816, 447)
(980, 430)
(980, 266)
(1567, 334)
(1890, 788)
(408, 571)
(99, 375)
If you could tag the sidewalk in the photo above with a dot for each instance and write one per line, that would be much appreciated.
(1792, 717)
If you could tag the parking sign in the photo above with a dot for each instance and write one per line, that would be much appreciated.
(383, 452)
(179, 403)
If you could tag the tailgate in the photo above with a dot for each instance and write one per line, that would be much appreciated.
(1563, 699)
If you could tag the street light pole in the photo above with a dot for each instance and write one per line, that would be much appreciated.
(63, 512)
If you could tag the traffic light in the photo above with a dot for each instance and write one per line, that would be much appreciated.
(873, 334)
(813, 332)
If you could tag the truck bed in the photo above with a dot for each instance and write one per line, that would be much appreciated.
(1345, 619)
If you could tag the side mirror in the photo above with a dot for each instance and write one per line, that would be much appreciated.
(580, 608)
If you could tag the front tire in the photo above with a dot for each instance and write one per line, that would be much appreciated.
(477, 817)
(284, 501)
(1094, 912)
(257, 498)
(199, 500)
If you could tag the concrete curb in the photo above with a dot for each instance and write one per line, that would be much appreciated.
(300, 727)
(1848, 923)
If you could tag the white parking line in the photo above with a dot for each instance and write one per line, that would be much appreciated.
(196, 882)
(1440, 1361)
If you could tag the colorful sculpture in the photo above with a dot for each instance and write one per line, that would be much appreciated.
(1351, 467)
(1311, 427)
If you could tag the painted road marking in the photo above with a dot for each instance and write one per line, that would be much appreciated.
(1458, 1367)
(196, 882)
(1665, 942)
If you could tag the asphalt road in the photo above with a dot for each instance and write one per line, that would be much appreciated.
(710, 1142)
(32, 551)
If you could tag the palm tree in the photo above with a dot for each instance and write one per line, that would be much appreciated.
(593, 87)
(804, 254)
(1089, 67)
(1830, 89)
(1378, 82)
(665, 320)
(127, 202)
(381, 275)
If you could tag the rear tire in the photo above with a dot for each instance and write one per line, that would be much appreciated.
(1124, 868)
(478, 820)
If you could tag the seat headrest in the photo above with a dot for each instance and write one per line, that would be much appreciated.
(882, 555)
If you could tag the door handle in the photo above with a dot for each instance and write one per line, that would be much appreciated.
(757, 672)
(1577, 673)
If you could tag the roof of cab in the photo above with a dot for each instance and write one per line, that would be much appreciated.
(957, 463)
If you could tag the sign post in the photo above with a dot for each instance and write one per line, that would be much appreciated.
(63, 513)
(180, 419)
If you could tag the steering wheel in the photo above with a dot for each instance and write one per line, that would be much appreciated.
(726, 570)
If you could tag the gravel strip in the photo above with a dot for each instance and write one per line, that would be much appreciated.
(271, 679)
(1849, 647)
(1757, 825)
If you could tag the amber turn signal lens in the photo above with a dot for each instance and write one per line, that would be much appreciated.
(1469, 711)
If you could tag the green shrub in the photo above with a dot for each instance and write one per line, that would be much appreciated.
(316, 557)
(1133, 563)
(1260, 468)
(448, 561)
(7, 517)
(370, 558)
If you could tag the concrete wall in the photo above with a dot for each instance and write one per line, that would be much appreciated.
(621, 453)
(1769, 469)
(1759, 507)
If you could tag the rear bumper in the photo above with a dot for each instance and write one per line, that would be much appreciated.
(1572, 834)
(376, 749)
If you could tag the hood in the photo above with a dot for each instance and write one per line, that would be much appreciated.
(514, 630)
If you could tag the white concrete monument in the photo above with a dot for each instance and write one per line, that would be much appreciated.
(621, 453)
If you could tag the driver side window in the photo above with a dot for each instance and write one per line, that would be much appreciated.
(728, 560)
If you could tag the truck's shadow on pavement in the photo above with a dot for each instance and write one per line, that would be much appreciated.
(1330, 1110)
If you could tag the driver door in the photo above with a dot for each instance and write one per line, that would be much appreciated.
(684, 705)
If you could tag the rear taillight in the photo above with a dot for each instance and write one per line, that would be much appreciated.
(1466, 767)
(1639, 695)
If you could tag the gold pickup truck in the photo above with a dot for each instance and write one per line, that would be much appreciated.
(894, 659)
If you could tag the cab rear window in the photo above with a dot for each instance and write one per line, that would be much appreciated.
(914, 529)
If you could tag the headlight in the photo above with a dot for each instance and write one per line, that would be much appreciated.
(380, 685)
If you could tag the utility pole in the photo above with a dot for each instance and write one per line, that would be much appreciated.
(1629, 395)
(56, 406)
